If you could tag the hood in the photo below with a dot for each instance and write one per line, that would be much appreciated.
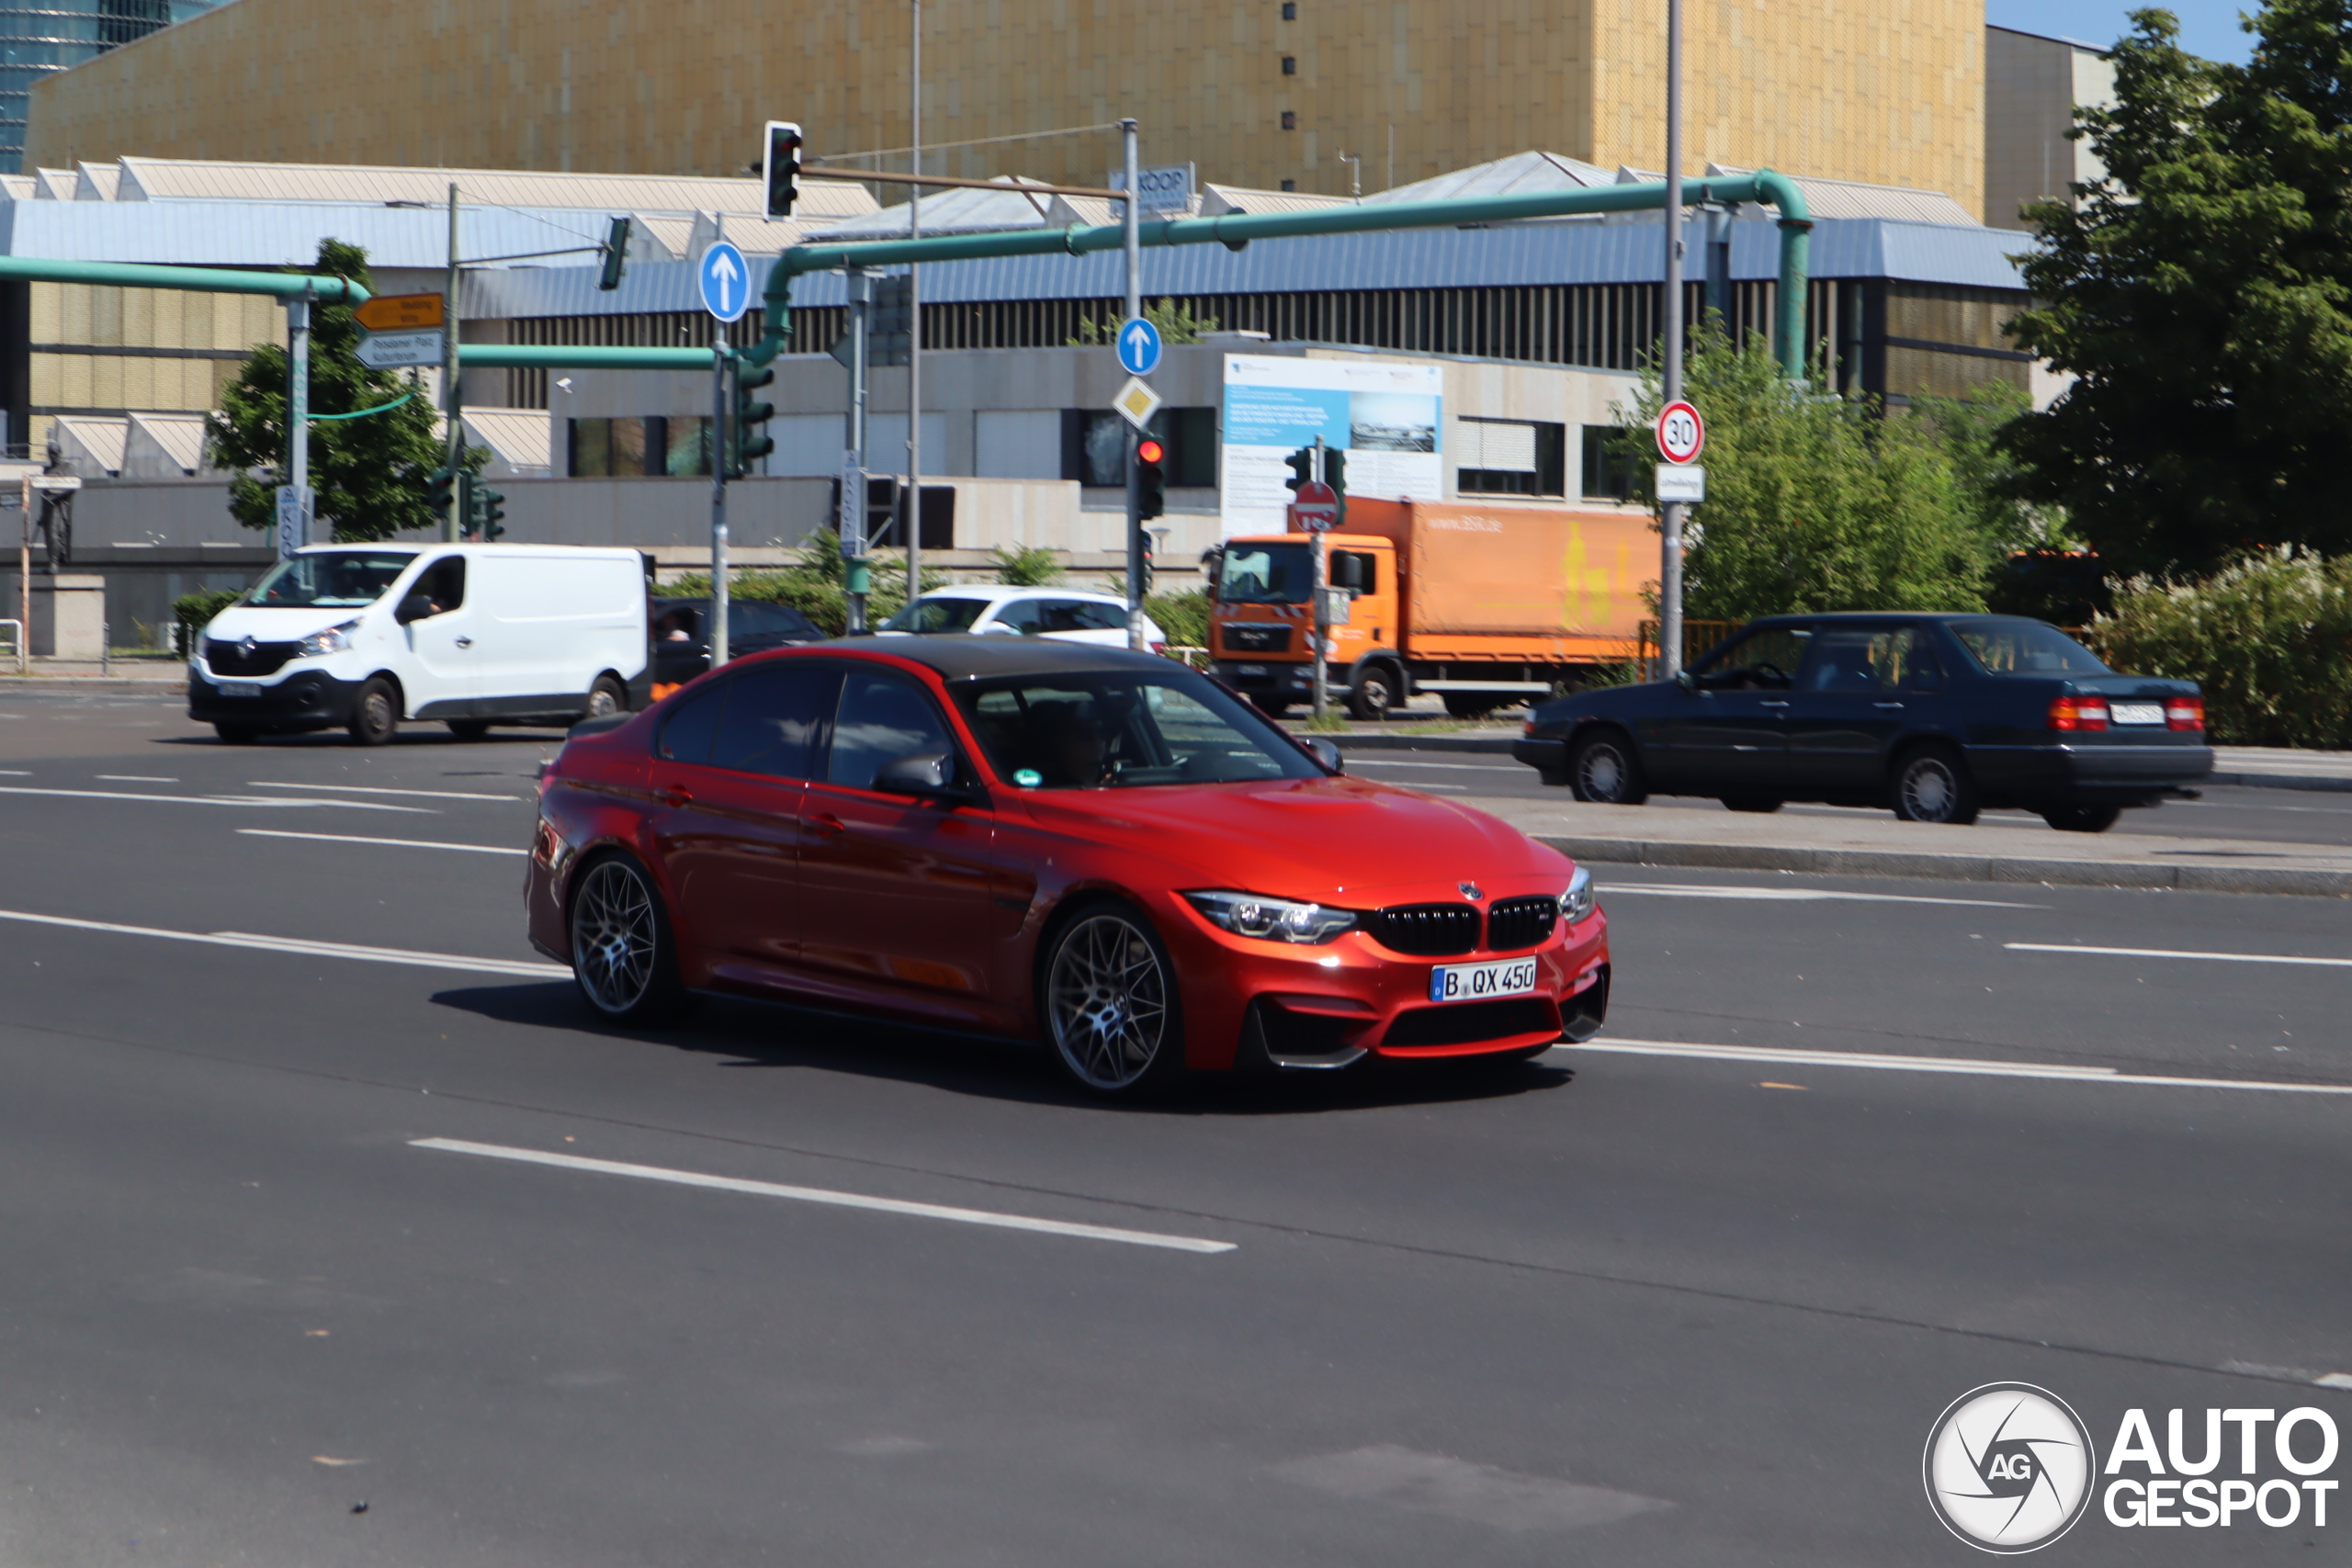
(238, 622)
(1338, 840)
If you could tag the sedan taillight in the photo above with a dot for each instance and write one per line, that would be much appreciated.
(2184, 713)
(2086, 711)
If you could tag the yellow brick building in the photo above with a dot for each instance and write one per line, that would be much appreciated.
(1259, 92)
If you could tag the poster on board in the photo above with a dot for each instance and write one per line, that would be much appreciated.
(1386, 417)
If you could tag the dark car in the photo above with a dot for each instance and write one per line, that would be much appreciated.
(682, 635)
(1936, 715)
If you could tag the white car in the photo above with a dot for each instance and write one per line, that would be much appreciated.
(1065, 615)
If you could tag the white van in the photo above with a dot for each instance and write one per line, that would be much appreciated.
(364, 636)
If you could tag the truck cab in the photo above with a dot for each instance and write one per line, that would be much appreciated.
(1262, 621)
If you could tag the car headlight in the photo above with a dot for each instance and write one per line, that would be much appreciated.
(335, 640)
(1272, 920)
(1578, 902)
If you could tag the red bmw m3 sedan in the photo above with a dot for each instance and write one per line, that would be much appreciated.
(1099, 849)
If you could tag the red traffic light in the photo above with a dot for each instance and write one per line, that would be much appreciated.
(1149, 451)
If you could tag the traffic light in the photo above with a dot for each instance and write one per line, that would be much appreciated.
(615, 255)
(1143, 554)
(1151, 478)
(748, 442)
(1335, 474)
(1301, 464)
(782, 167)
(488, 510)
(441, 491)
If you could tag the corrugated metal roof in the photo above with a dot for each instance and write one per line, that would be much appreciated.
(170, 179)
(177, 438)
(522, 439)
(959, 210)
(1217, 200)
(1514, 175)
(237, 233)
(96, 182)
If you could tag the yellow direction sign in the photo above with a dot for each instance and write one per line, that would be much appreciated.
(400, 313)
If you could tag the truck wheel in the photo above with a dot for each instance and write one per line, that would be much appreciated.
(1605, 770)
(1374, 695)
(1472, 704)
(376, 712)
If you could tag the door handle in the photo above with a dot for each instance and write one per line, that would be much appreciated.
(1771, 705)
(1886, 704)
(465, 642)
(827, 824)
(674, 796)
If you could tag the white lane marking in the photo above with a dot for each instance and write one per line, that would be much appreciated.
(1796, 894)
(278, 801)
(828, 1196)
(15, 772)
(1962, 1066)
(131, 778)
(1361, 760)
(399, 844)
(303, 948)
(371, 789)
(2167, 952)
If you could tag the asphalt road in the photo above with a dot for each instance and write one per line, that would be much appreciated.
(1633, 1305)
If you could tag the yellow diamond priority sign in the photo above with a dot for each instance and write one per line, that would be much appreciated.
(1137, 401)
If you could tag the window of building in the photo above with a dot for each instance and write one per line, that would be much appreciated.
(634, 447)
(1095, 447)
(1289, 122)
(1290, 185)
(1290, 10)
(1510, 457)
(1607, 475)
(1290, 65)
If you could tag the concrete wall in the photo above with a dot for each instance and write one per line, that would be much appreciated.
(1881, 90)
(2033, 85)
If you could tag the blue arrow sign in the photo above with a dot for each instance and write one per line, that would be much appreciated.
(1138, 347)
(726, 281)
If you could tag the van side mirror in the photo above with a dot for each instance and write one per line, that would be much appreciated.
(416, 607)
(927, 775)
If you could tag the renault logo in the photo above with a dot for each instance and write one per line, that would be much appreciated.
(1470, 891)
(250, 646)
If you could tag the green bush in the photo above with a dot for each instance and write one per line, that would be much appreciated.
(2269, 640)
(1183, 616)
(195, 611)
(1026, 566)
(813, 584)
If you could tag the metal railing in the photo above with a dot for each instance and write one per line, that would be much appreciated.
(16, 630)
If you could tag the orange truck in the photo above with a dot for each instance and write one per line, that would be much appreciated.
(1484, 605)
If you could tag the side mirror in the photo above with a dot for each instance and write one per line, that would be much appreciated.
(416, 607)
(927, 775)
(1684, 679)
(1346, 570)
(1327, 753)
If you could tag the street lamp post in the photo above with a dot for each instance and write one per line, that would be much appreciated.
(1670, 578)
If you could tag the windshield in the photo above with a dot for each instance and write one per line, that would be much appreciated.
(1264, 574)
(937, 615)
(330, 579)
(682, 620)
(1115, 730)
(2025, 648)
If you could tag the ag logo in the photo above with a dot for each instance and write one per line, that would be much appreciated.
(2009, 1467)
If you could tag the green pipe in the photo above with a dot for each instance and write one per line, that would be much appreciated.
(1237, 230)
(195, 279)
(561, 356)
(362, 414)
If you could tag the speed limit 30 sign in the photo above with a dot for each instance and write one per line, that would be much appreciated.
(1679, 433)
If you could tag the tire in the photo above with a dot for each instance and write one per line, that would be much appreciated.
(1763, 805)
(1107, 997)
(1374, 694)
(1931, 785)
(469, 728)
(624, 955)
(2082, 818)
(376, 712)
(236, 734)
(1604, 769)
(1470, 704)
(605, 698)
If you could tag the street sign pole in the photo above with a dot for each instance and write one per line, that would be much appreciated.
(720, 452)
(298, 420)
(852, 526)
(1669, 571)
(1134, 204)
(911, 504)
(1315, 578)
(452, 408)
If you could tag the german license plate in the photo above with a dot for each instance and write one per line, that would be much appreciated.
(241, 688)
(1253, 670)
(1477, 982)
(2137, 713)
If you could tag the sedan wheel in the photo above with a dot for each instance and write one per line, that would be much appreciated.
(2082, 818)
(1605, 771)
(1932, 785)
(621, 948)
(1110, 1007)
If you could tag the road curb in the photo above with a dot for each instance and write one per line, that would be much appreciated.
(2306, 883)
(159, 686)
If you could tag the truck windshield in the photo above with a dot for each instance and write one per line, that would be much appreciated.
(330, 579)
(1264, 574)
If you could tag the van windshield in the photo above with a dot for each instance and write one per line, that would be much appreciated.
(1264, 574)
(330, 579)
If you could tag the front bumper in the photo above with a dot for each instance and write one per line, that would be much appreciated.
(2088, 772)
(1277, 681)
(1547, 754)
(308, 699)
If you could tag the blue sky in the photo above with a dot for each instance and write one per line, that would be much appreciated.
(2209, 28)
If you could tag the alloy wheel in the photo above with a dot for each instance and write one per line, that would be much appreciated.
(615, 937)
(1106, 1002)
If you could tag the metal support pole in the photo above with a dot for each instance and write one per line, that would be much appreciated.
(1135, 478)
(912, 536)
(1669, 581)
(1718, 242)
(1316, 577)
(298, 415)
(719, 495)
(452, 408)
(25, 581)
(853, 517)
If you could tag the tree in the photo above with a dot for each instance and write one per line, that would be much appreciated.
(1815, 501)
(2202, 294)
(369, 473)
(1176, 325)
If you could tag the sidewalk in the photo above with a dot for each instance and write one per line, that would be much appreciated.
(1886, 847)
(158, 677)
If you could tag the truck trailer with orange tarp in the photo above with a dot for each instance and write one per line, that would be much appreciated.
(1485, 605)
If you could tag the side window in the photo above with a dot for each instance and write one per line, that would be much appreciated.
(774, 719)
(1765, 660)
(1022, 615)
(444, 582)
(1060, 616)
(1927, 672)
(1086, 615)
(1858, 658)
(687, 732)
(883, 717)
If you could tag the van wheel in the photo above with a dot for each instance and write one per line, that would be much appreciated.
(236, 734)
(1374, 695)
(605, 698)
(376, 715)
(469, 728)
